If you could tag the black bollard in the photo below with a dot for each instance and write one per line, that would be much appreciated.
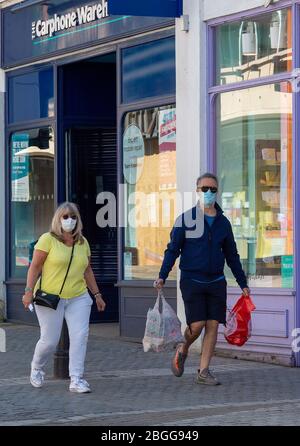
(61, 356)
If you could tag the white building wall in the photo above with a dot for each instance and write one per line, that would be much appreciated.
(191, 110)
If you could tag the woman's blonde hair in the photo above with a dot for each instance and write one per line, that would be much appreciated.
(56, 227)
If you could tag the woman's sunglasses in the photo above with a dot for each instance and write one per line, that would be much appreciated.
(214, 190)
(73, 216)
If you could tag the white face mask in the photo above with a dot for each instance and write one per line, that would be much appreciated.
(69, 224)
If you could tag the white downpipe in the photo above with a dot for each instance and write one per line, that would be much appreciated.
(191, 112)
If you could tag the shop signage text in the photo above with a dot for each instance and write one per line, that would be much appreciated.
(80, 16)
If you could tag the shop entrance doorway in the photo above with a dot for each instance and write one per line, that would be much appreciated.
(90, 140)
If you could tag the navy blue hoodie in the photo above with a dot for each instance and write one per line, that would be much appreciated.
(203, 257)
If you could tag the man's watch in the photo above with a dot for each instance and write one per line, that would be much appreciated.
(96, 294)
(28, 289)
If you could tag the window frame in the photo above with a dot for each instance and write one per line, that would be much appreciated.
(10, 129)
(18, 73)
(123, 181)
(9, 187)
(122, 109)
(213, 92)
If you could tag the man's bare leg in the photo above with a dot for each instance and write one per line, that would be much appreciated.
(209, 343)
(192, 332)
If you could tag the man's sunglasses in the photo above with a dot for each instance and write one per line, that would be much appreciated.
(65, 217)
(214, 190)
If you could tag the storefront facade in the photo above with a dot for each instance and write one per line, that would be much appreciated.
(235, 112)
(252, 94)
(90, 117)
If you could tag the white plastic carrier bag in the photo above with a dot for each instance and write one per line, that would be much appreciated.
(163, 328)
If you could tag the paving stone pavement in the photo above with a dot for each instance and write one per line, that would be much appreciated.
(130, 387)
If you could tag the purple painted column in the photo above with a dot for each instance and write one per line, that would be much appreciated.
(296, 168)
(211, 109)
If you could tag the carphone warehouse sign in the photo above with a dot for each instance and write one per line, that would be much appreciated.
(49, 28)
(80, 16)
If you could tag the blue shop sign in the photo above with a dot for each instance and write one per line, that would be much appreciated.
(48, 28)
(154, 8)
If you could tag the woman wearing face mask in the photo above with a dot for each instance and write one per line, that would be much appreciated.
(202, 281)
(62, 261)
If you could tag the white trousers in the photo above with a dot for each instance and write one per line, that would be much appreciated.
(76, 312)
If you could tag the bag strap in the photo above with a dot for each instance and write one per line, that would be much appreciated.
(71, 258)
(67, 269)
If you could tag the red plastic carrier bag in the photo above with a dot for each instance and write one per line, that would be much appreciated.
(238, 323)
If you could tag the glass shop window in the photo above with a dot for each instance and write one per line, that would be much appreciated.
(149, 169)
(254, 47)
(148, 70)
(255, 169)
(31, 96)
(31, 193)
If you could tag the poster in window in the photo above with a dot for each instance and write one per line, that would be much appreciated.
(133, 154)
(20, 168)
(167, 149)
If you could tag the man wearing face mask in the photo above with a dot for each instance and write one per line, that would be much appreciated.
(202, 280)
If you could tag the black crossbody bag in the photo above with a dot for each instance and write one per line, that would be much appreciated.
(51, 300)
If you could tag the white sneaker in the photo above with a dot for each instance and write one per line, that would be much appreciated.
(37, 377)
(79, 385)
(85, 382)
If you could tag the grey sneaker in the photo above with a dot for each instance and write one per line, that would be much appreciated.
(205, 377)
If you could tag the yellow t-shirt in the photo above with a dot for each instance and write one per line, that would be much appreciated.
(56, 265)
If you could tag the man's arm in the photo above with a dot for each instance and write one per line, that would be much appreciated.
(233, 259)
(173, 250)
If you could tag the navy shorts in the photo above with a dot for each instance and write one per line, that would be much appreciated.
(204, 301)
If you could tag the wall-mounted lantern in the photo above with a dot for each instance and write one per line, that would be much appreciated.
(248, 40)
(278, 31)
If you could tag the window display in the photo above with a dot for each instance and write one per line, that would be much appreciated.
(149, 170)
(254, 163)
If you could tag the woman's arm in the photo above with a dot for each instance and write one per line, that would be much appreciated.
(93, 287)
(33, 274)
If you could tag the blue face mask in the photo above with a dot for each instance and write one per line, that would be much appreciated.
(208, 198)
